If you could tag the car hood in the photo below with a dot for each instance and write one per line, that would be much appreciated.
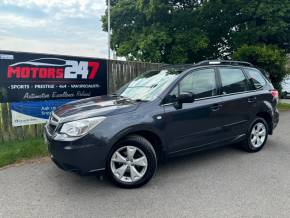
(96, 106)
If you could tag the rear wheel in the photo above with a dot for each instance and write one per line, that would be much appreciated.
(257, 135)
(132, 162)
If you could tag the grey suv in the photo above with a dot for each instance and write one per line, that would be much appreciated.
(177, 110)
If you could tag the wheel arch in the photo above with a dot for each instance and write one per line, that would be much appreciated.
(149, 134)
(268, 118)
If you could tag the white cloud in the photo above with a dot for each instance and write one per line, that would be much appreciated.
(11, 21)
(87, 48)
(70, 27)
(73, 8)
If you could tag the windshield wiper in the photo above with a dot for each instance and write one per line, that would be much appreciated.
(127, 98)
(115, 95)
(140, 100)
(131, 99)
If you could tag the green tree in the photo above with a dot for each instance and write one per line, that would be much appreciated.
(186, 31)
(232, 23)
(157, 30)
(269, 58)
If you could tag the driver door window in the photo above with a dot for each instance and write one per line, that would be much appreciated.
(202, 83)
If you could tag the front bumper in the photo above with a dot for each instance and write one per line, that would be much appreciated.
(83, 156)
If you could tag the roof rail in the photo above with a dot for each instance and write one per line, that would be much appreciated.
(217, 62)
(178, 66)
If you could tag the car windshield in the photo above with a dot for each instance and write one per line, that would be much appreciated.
(149, 86)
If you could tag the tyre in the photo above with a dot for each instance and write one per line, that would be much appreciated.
(132, 162)
(257, 136)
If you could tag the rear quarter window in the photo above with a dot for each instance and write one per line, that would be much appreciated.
(256, 79)
(233, 80)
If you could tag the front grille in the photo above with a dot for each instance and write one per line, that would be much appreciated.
(51, 128)
(52, 124)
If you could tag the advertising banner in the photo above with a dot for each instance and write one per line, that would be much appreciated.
(27, 113)
(37, 77)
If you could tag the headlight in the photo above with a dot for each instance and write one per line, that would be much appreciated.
(80, 127)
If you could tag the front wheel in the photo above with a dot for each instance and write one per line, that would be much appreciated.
(132, 162)
(257, 135)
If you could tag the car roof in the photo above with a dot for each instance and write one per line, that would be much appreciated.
(182, 67)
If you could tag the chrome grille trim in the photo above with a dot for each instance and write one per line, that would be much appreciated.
(52, 124)
(53, 119)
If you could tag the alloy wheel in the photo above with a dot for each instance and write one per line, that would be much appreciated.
(258, 134)
(129, 164)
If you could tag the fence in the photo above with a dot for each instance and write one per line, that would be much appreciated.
(120, 72)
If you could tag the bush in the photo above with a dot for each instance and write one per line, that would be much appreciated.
(267, 57)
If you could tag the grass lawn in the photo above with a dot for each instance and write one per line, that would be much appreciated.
(12, 152)
(283, 106)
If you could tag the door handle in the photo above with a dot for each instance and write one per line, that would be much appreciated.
(252, 99)
(216, 107)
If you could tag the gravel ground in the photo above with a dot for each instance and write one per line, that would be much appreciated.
(223, 183)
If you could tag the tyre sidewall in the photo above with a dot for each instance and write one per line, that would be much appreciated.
(249, 145)
(150, 154)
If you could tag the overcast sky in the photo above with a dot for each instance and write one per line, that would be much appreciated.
(71, 27)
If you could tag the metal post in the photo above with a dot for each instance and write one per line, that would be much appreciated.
(109, 47)
(109, 29)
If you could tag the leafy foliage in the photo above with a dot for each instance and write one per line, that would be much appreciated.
(269, 58)
(232, 23)
(186, 31)
(157, 30)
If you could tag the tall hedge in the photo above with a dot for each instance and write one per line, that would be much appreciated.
(267, 57)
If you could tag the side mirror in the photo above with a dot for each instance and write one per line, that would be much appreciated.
(184, 97)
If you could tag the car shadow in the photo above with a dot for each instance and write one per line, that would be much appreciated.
(173, 167)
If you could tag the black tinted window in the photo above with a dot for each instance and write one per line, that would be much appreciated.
(233, 80)
(256, 78)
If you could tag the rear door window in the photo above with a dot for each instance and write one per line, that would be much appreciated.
(233, 80)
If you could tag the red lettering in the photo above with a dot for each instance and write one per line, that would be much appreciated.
(11, 71)
(42, 73)
(59, 73)
(50, 73)
(34, 72)
(95, 67)
(25, 72)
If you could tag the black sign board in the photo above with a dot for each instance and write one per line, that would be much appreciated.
(37, 77)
